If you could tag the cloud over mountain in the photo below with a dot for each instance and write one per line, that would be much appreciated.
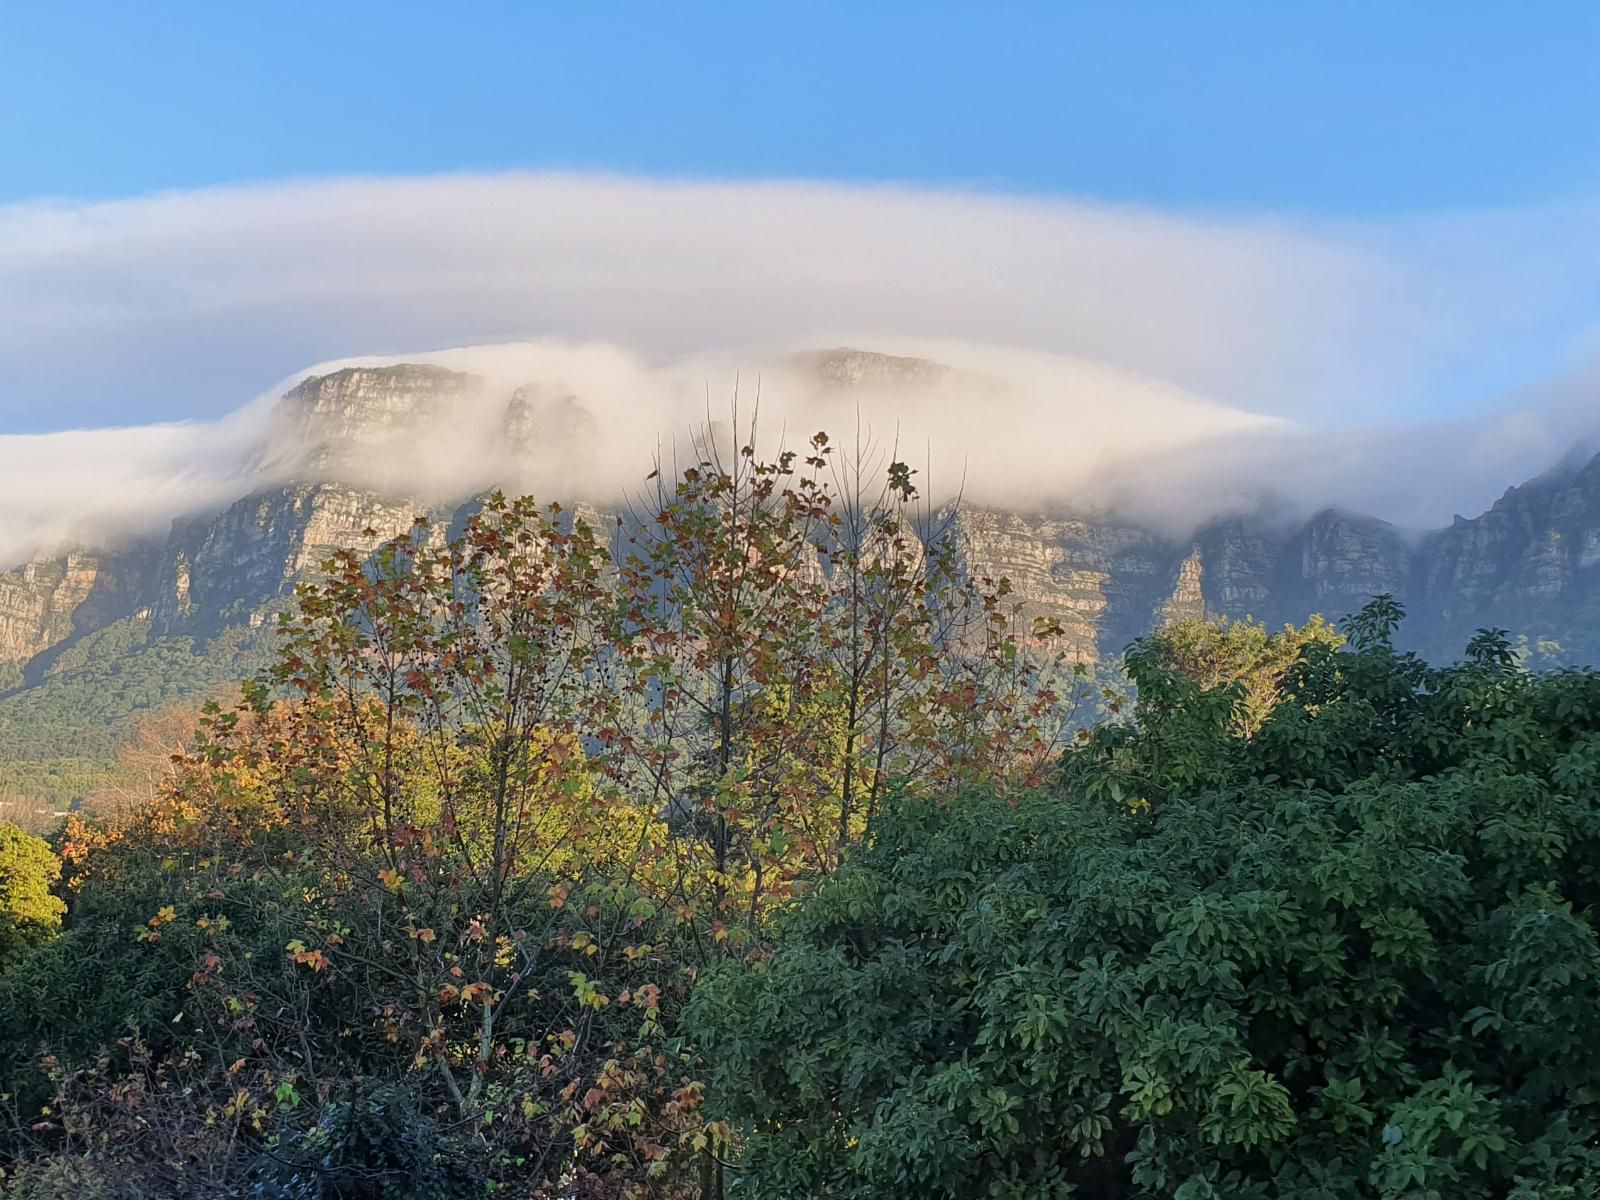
(172, 306)
(1152, 358)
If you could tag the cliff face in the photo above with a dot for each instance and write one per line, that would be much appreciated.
(1099, 581)
(338, 432)
(231, 568)
(329, 422)
(46, 602)
(1108, 583)
(1530, 564)
(1331, 564)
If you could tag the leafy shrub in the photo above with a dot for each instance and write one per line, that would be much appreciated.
(372, 1144)
(1353, 955)
(64, 1177)
(29, 910)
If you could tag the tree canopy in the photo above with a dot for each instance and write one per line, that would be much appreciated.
(1351, 955)
(418, 915)
(29, 910)
(749, 847)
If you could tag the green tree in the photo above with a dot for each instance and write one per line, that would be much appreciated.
(1219, 653)
(29, 910)
(1352, 955)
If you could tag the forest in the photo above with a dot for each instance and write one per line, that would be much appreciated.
(749, 848)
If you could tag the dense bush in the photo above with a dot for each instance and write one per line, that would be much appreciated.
(1353, 955)
(29, 911)
(370, 1143)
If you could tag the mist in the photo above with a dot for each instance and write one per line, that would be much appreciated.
(104, 487)
(1168, 367)
(992, 426)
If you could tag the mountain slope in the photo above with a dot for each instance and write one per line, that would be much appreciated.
(91, 637)
(1530, 564)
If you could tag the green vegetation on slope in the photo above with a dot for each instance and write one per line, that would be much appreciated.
(59, 738)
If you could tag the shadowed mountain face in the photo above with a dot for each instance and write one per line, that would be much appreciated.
(1530, 564)
(1108, 583)
(341, 455)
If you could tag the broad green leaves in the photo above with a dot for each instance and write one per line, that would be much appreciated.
(1350, 952)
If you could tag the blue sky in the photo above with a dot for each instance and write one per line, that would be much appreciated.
(1352, 212)
(1336, 109)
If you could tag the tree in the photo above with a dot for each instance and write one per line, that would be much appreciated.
(504, 795)
(29, 910)
(796, 651)
(393, 869)
(1219, 653)
(1350, 955)
(148, 757)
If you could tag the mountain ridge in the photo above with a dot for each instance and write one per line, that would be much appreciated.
(1530, 563)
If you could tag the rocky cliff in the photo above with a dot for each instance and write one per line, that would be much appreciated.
(1530, 564)
(45, 603)
(232, 568)
(330, 423)
(1106, 582)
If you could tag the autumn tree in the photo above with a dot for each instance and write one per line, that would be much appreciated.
(455, 704)
(505, 795)
(149, 755)
(939, 682)
(721, 596)
(801, 641)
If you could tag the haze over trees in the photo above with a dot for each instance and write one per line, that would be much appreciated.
(748, 846)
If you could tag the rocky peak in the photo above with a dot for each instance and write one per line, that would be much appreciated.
(1344, 559)
(844, 369)
(1188, 598)
(1530, 564)
(327, 420)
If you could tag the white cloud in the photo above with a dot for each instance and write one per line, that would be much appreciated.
(175, 304)
(181, 305)
(1006, 426)
(87, 487)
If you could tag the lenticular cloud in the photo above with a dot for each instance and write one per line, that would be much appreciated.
(1171, 366)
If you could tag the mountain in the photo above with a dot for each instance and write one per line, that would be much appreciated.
(1530, 564)
(44, 602)
(91, 637)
